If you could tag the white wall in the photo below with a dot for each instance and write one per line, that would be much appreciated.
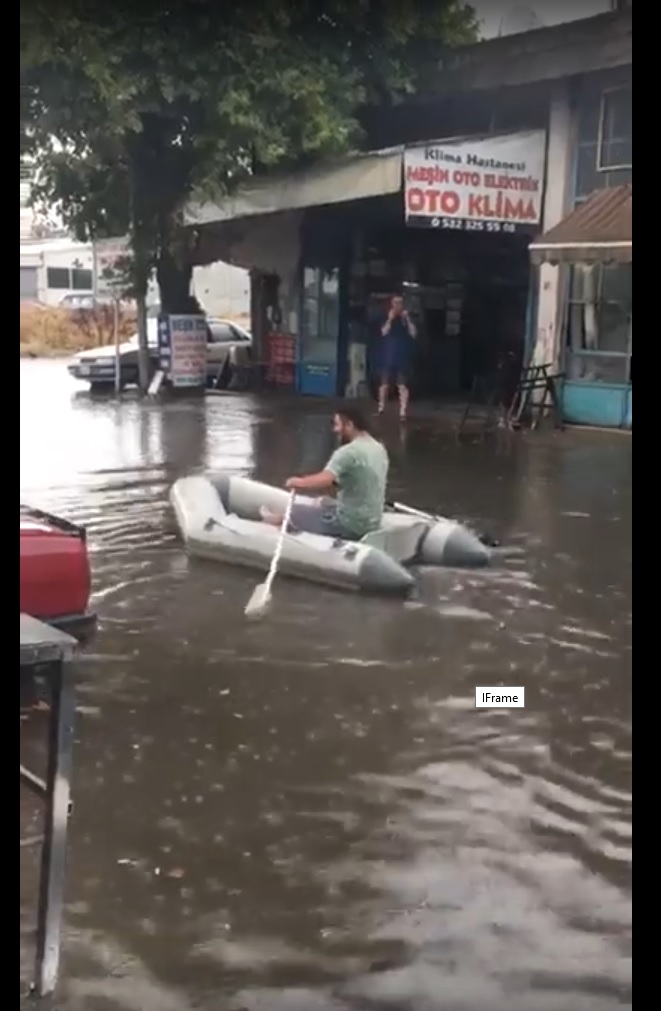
(222, 290)
(559, 166)
(56, 253)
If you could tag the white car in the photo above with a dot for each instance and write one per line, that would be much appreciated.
(97, 366)
(78, 302)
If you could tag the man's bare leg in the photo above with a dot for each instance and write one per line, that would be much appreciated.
(273, 519)
(403, 393)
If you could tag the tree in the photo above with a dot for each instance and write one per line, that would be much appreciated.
(127, 109)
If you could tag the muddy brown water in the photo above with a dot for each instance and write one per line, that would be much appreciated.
(309, 813)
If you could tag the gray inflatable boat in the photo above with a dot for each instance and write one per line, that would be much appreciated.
(218, 516)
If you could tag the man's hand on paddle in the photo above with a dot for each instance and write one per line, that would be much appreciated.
(321, 482)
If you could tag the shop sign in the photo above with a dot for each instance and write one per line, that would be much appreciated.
(486, 184)
(182, 346)
(110, 259)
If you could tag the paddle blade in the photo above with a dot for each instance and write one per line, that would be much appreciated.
(259, 602)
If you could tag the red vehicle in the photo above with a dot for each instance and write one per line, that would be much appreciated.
(55, 573)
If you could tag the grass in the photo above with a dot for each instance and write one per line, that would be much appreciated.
(53, 332)
(50, 332)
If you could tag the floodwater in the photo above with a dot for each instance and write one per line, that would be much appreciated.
(308, 813)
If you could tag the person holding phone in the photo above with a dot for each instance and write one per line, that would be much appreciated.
(398, 333)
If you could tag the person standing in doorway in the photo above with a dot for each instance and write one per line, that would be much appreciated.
(398, 333)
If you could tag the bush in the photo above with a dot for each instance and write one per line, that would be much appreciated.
(47, 330)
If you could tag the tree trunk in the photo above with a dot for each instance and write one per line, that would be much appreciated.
(174, 283)
(144, 370)
(141, 246)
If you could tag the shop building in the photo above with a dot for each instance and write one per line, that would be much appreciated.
(586, 257)
(455, 205)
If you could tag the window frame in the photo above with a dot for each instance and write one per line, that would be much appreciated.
(221, 340)
(58, 287)
(88, 272)
(318, 341)
(238, 336)
(570, 352)
(601, 134)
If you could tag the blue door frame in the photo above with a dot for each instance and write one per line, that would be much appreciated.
(321, 370)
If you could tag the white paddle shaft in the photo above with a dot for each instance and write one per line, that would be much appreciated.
(275, 561)
(401, 508)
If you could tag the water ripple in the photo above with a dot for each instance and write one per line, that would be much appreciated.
(310, 812)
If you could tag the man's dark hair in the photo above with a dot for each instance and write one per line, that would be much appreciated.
(356, 415)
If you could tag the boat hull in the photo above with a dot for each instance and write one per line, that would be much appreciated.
(219, 518)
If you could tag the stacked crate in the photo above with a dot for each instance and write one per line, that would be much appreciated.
(281, 360)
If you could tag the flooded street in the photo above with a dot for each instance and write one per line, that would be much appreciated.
(308, 813)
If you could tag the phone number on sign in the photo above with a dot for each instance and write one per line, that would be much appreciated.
(467, 225)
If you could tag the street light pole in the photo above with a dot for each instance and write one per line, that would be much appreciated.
(118, 361)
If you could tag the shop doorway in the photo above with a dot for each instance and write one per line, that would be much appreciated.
(474, 320)
(468, 294)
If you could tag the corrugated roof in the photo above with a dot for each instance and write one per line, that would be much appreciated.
(599, 230)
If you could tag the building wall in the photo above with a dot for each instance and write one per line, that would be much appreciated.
(53, 269)
(559, 160)
(62, 268)
(597, 348)
(584, 313)
(223, 290)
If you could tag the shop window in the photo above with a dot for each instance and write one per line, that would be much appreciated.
(588, 118)
(588, 176)
(329, 304)
(615, 130)
(599, 323)
(320, 315)
(58, 278)
(605, 149)
(81, 279)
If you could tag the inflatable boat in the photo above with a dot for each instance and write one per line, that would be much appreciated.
(219, 518)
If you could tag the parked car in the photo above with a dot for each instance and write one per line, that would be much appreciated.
(55, 572)
(97, 366)
(78, 302)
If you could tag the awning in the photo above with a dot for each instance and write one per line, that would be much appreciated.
(599, 230)
(373, 174)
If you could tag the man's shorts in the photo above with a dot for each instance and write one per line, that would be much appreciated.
(318, 518)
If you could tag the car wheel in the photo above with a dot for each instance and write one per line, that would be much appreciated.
(102, 386)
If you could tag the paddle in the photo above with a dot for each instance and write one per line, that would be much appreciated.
(489, 542)
(260, 600)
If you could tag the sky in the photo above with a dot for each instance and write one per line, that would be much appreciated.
(503, 17)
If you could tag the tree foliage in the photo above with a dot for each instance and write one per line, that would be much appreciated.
(128, 109)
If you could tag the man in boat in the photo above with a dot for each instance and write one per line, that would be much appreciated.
(357, 471)
(395, 355)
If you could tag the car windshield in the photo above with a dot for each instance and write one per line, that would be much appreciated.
(234, 330)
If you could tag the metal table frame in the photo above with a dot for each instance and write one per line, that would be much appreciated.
(51, 650)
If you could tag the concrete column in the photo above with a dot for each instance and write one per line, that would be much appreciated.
(557, 203)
